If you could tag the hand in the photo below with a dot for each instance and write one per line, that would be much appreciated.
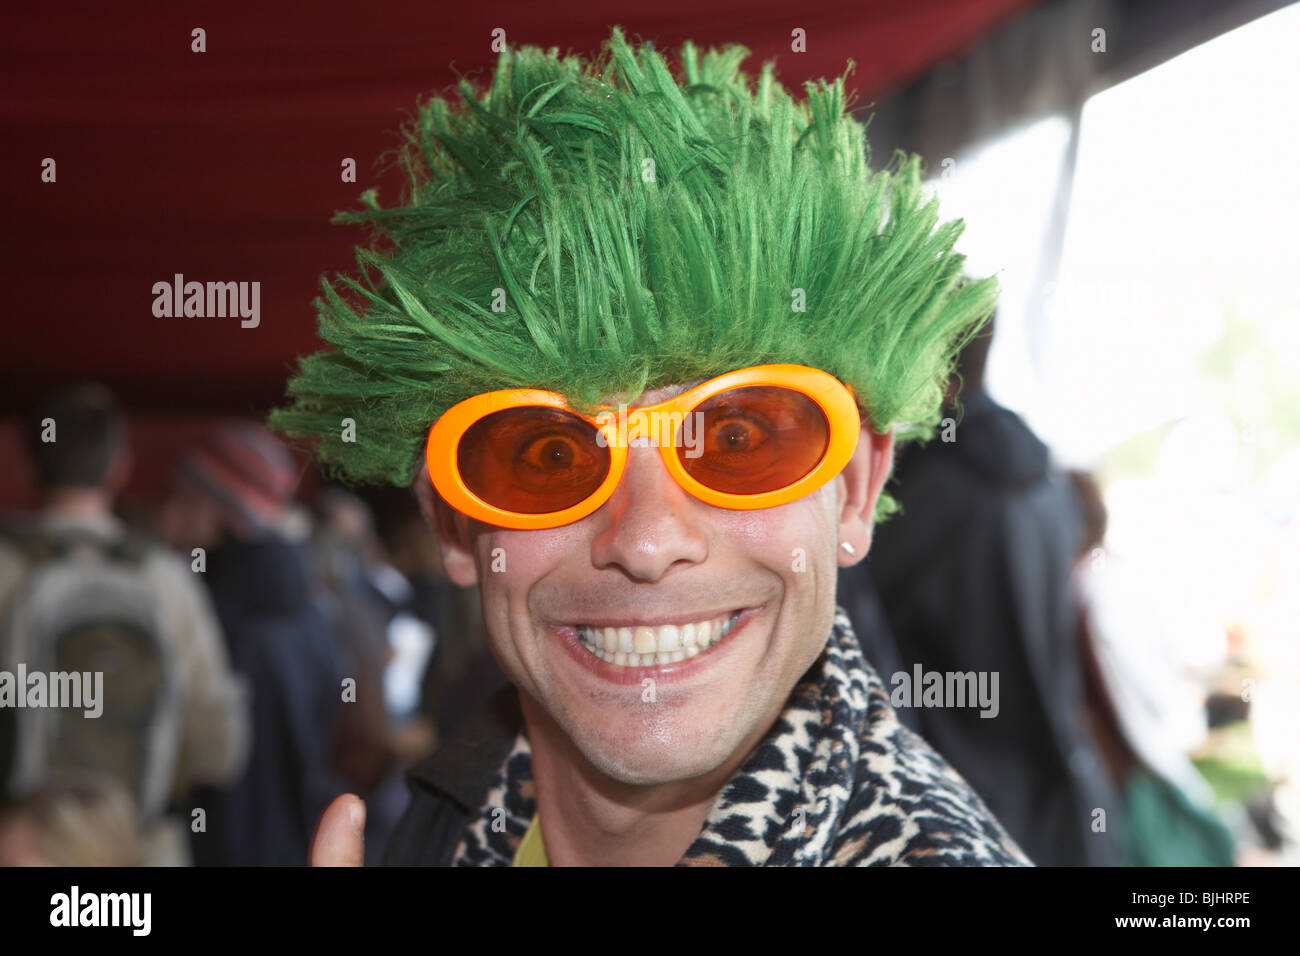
(340, 835)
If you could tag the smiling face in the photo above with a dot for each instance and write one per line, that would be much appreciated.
(662, 634)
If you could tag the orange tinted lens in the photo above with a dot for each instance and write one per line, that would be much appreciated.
(532, 459)
(752, 440)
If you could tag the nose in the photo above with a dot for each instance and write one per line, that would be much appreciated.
(651, 525)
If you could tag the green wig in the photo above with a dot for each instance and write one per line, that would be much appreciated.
(599, 228)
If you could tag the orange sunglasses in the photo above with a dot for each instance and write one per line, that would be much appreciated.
(753, 438)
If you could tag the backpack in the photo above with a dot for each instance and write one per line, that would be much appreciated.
(85, 608)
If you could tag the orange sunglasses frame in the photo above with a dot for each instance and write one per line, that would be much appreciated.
(832, 396)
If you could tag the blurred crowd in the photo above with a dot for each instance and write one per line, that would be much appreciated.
(260, 657)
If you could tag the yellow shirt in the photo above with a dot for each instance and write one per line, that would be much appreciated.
(532, 849)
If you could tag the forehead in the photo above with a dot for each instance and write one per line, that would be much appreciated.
(653, 396)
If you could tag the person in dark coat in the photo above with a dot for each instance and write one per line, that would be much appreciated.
(856, 593)
(280, 638)
(974, 576)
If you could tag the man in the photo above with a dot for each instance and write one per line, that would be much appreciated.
(974, 578)
(239, 483)
(77, 443)
(663, 343)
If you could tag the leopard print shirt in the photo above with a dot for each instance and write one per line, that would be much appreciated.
(838, 781)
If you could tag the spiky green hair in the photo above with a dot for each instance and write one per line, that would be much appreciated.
(599, 228)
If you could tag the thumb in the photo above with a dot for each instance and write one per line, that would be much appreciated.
(340, 835)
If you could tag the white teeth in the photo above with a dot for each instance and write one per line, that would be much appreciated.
(643, 645)
(669, 639)
(645, 640)
(704, 634)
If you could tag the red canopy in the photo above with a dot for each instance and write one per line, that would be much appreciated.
(225, 165)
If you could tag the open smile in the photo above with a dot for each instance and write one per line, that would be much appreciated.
(646, 645)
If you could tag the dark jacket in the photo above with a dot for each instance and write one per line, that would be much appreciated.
(448, 787)
(280, 639)
(974, 576)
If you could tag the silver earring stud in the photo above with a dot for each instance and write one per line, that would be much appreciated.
(848, 547)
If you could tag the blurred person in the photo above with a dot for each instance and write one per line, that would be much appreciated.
(409, 546)
(683, 688)
(341, 539)
(236, 488)
(1133, 700)
(460, 672)
(401, 595)
(83, 593)
(375, 743)
(974, 577)
(82, 820)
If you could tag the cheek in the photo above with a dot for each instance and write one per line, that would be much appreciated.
(792, 539)
(801, 536)
(512, 562)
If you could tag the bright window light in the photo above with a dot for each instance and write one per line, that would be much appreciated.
(1166, 354)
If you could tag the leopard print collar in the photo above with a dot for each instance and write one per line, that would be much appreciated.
(837, 781)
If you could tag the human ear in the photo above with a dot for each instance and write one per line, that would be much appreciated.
(863, 480)
(454, 536)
